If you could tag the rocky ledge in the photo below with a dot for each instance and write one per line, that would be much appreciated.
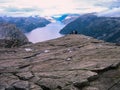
(73, 62)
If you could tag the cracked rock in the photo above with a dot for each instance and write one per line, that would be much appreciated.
(25, 75)
(81, 84)
(92, 65)
(21, 85)
(35, 87)
(10, 88)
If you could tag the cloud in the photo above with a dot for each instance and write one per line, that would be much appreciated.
(4, 1)
(109, 3)
(15, 9)
(51, 7)
(115, 12)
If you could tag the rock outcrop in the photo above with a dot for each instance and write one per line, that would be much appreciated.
(10, 36)
(103, 28)
(73, 62)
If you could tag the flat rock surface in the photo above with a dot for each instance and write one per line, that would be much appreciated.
(73, 62)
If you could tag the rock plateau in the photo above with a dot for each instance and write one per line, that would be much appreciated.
(73, 62)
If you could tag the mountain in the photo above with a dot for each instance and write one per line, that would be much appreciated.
(72, 62)
(26, 24)
(60, 17)
(65, 18)
(103, 28)
(10, 36)
(70, 18)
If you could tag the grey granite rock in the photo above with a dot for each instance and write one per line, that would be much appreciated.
(93, 65)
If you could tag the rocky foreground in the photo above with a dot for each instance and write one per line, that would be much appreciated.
(73, 62)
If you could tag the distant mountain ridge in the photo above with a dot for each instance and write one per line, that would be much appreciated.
(26, 24)
(70, 18)
(60, 17)
(103, 28)
(65, 18)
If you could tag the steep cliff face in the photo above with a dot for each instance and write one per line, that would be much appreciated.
(103, 28)
(10, 36)
(73, 62)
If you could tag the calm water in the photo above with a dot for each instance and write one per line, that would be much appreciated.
(51, 31)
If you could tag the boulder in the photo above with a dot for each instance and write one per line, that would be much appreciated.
(10, 36)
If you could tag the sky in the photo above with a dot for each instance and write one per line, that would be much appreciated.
(53, 7)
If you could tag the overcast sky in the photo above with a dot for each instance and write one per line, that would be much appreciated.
(52, 7)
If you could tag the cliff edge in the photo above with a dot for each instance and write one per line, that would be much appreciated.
(73, 62)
